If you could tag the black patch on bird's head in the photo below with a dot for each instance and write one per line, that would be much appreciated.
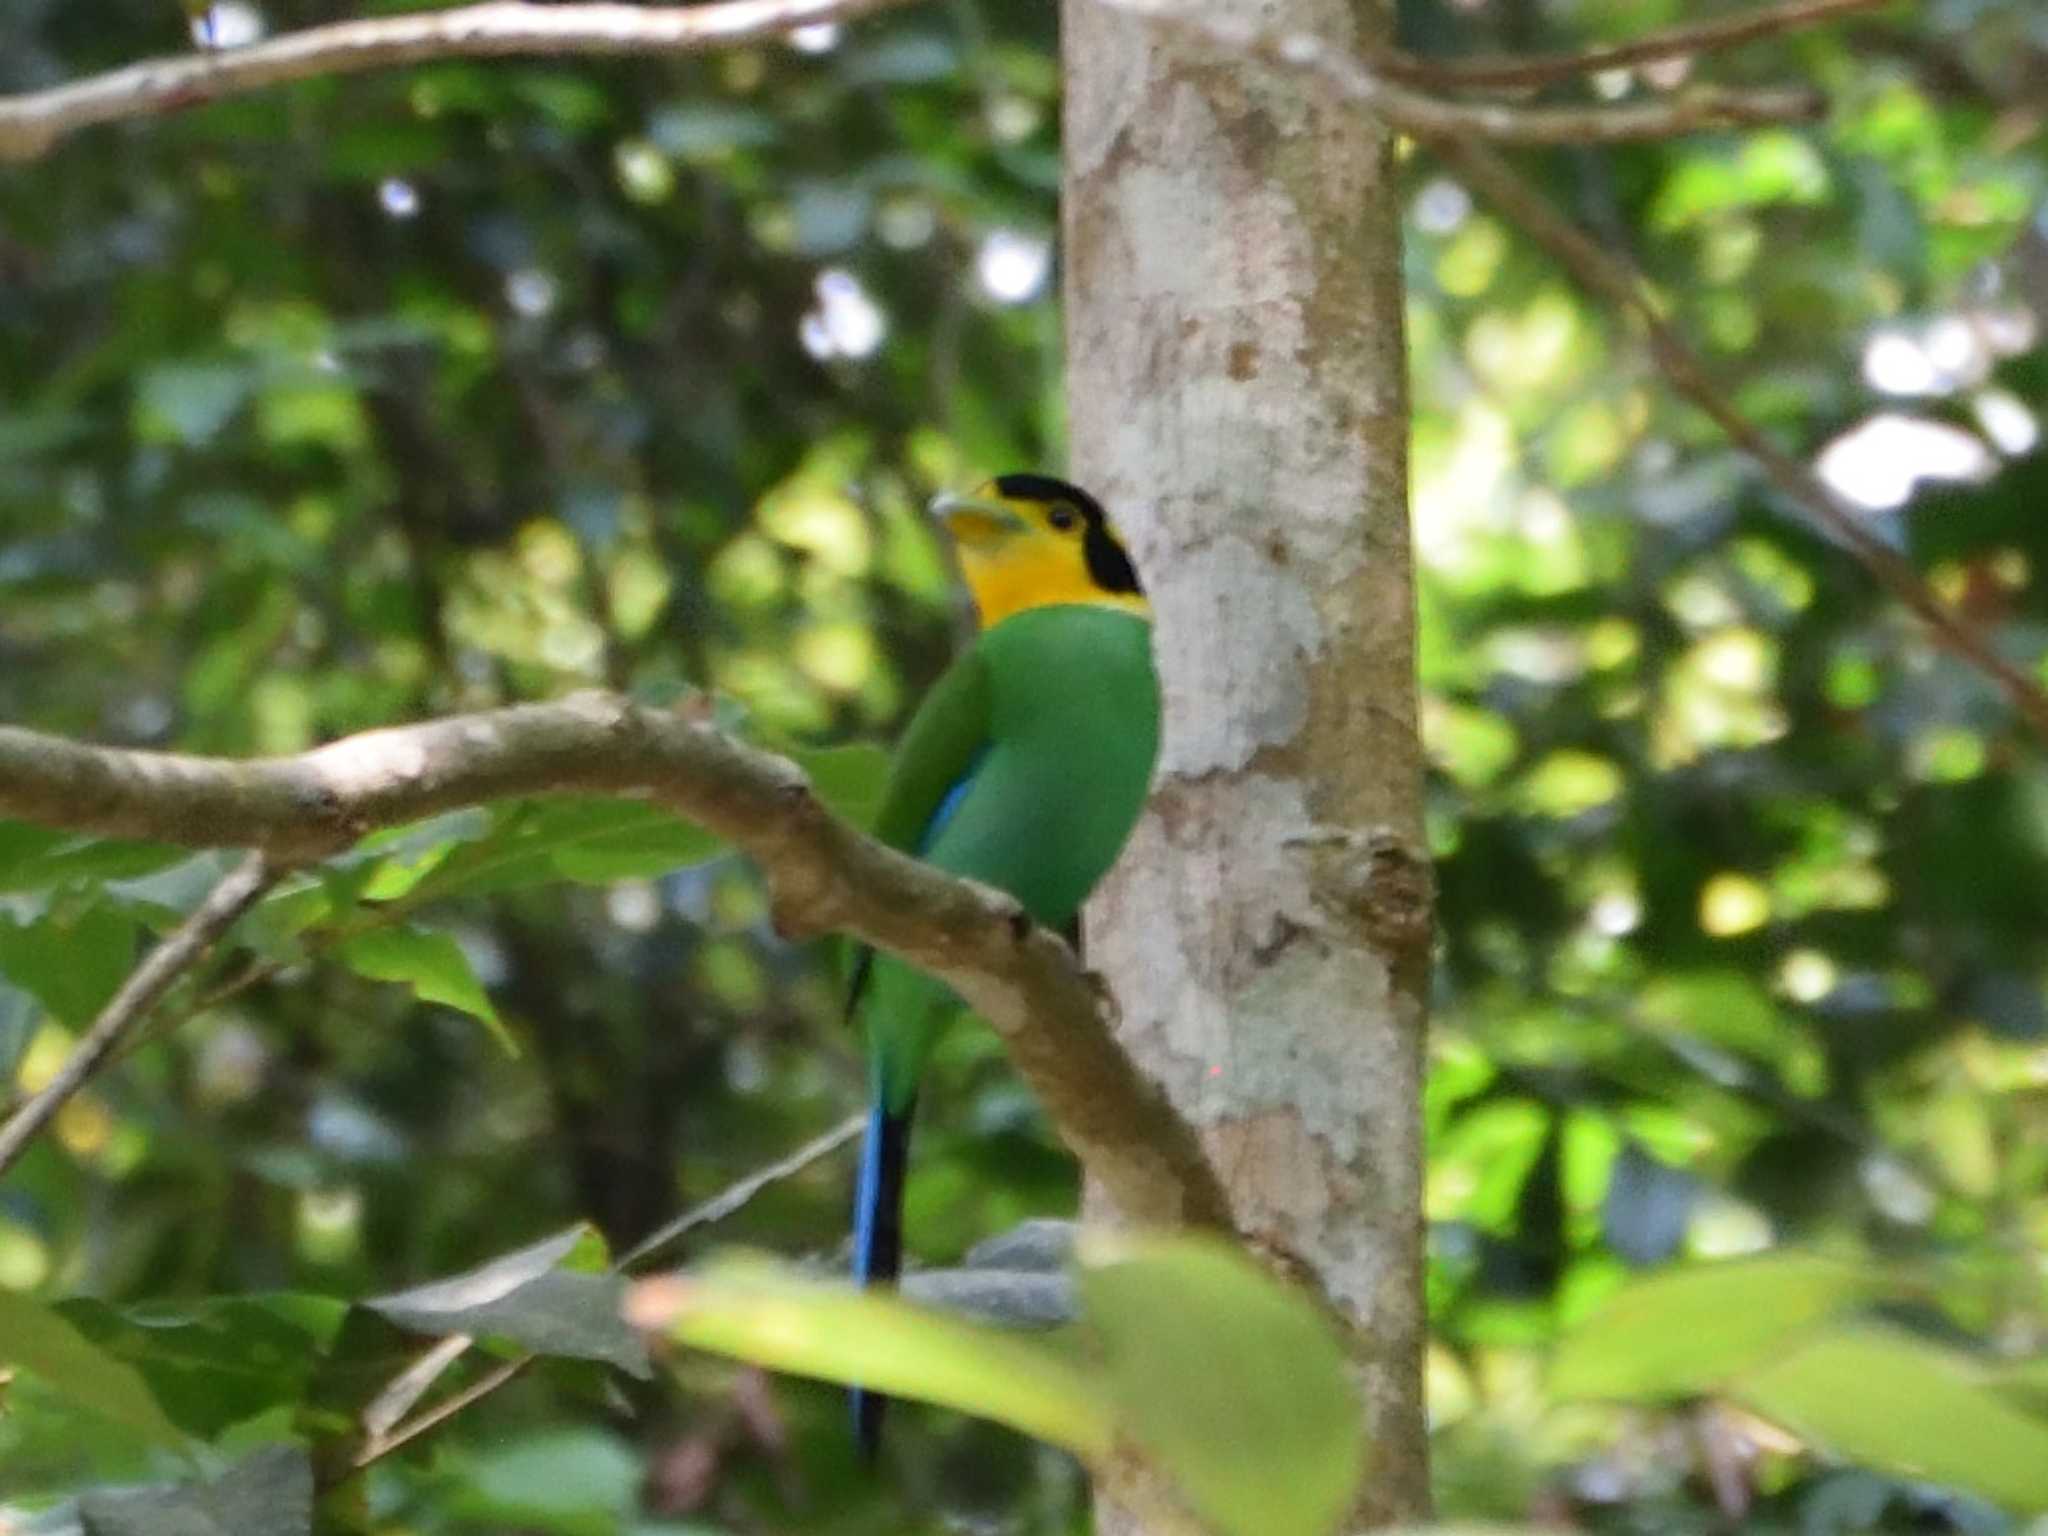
(1109, 566)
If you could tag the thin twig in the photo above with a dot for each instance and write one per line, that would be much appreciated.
(1612, 277)
(724, 1204)
(185, 947)
(403, 1392)
(379, 1446)
(410, 1385)
(1418, 112)
(32, 123)
(1489, 71)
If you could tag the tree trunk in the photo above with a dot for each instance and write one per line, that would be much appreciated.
(1238, 396)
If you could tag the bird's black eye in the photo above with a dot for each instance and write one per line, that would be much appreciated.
(1062, 516)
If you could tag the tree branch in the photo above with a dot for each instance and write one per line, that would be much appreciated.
(186, 947)
(381, 1420)
(1491, 71)
(1615, 279)
(1424, 115)
(31, 124)
(735, 1196)
(824, 876)
(377, 1447)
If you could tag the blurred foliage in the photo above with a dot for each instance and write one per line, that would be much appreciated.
(365, 401)
(1184, 1351)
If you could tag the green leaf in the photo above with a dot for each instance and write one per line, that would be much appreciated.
(848, 779)
(1690, 1330)
(272, 928)
(406, 855)
(190, 402)
(36, 1339)
(176, 889)
(560, 1480)
(542, 842)
(216, 1362)
(2026, 1383)
(72, 962)
(1890, 1400)
(35, 857)
(752, 1309)
(268, 1493)
(594, 840)
(433, 965)
(638, 842)
(1233, 1383)
(544, 1297)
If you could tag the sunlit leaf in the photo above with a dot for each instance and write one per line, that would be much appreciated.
(1893, 1401)
(433, 965)
(1235, 1383)
(756, 1311)
(1692, 1330)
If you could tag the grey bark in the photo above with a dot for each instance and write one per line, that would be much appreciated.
(1238, 396)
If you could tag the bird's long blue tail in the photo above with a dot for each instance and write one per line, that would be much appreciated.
(878, 1239)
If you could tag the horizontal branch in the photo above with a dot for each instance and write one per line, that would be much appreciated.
(1694, 110)
(32, 123)
(1613, 278)
(824, 876)
(1492, 71)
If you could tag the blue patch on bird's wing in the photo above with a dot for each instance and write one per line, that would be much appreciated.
(948, 804)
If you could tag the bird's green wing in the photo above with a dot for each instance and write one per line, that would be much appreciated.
(939, 749)
(946, 738)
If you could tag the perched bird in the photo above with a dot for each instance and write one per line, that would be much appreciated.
(1025, 767)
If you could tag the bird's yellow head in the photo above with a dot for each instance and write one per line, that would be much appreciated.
(1027, 541)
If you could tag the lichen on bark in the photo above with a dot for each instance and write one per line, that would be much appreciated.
(1237, 383)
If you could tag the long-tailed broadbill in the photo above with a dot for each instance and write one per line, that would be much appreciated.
(1024, 767)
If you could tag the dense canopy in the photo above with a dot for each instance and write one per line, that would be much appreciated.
(368, 400)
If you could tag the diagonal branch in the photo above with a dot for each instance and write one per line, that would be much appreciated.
(1613, 278)
(1420, 113)
(32, 124)
(185, 948)
(1492, 71)
(382, 1419)
(736, 1195)
(825, 876)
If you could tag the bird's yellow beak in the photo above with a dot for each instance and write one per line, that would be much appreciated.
(977, 521)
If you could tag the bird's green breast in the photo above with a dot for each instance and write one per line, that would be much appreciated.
(1072, 735)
